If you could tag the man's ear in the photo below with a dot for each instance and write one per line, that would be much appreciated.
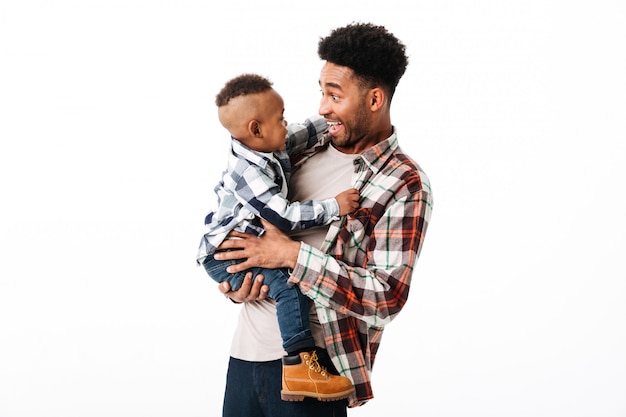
(254, 128)
(376, 98)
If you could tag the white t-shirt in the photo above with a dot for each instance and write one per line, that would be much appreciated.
(257, 336)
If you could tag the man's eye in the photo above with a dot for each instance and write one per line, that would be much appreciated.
(333, 97)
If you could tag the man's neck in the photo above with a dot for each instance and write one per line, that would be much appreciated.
(373, 138)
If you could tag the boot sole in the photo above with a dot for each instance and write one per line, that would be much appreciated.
(299, 395)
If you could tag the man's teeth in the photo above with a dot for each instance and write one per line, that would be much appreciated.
(333, 124)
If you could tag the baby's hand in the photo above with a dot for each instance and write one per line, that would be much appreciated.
(348, 201)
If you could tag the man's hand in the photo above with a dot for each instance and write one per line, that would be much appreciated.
(272, 250)
(249, 290)
(348, 201)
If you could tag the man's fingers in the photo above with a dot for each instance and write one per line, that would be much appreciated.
(250, 290)
(242, 266)
(240, 253)
(246, 286)
(267, 225)
(255, 291)
(235, 233)
(224, 287)
(259, 290)
(242, 294)
(265, 289)
(232, 244)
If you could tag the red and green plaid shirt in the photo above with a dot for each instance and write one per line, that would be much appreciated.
(360, 277)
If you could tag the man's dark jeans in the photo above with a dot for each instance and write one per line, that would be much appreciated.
(253, 390)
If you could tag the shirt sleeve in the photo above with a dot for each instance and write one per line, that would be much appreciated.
(303, 136)
(258, 192)
(376, 290)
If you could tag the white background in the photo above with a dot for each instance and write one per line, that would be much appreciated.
(110, 148)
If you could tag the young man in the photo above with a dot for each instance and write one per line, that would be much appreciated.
(359, 272)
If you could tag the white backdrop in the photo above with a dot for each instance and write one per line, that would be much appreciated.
(111, 147)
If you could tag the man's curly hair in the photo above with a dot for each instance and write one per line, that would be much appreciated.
(374, 54)
(242, 86)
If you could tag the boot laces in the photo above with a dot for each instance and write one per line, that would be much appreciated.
(314, 364)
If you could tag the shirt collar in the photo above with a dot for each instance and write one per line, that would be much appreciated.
(255, 157)
(376, 156)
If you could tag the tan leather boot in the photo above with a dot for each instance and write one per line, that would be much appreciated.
(303, 376)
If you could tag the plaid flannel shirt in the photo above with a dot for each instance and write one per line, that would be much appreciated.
(360, 278)
(255, 185)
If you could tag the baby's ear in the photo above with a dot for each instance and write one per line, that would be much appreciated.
(254, 128)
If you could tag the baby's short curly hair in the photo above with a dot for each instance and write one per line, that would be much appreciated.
(373, 53)
(242, 86)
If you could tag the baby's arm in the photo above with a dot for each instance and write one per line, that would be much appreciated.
(304, 136)
(258, 193)
(305, 214)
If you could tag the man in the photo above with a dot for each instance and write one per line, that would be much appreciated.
(358, 271)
